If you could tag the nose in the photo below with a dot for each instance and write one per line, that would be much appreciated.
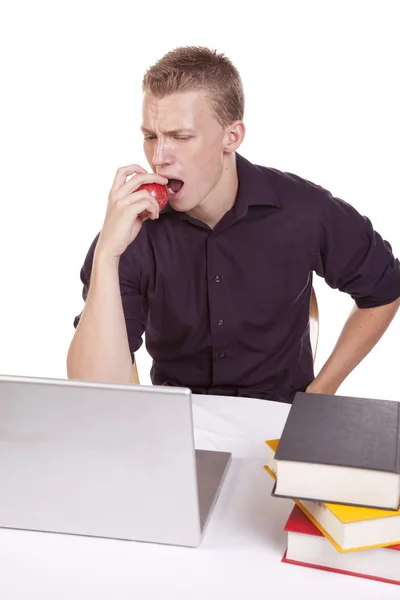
(161, 154)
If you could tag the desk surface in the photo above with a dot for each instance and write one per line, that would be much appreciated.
(240, 556)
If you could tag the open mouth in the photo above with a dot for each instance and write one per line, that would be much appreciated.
(174, 186)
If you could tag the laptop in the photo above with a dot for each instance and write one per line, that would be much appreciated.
(107, 460)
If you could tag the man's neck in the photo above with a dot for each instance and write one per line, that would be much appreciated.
(221, 198)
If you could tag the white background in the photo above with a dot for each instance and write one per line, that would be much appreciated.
(322, 91)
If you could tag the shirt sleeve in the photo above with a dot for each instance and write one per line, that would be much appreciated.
(132, 300)
(353, 257)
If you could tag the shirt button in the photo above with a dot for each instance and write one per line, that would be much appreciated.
(220, 322)
(222, 354)
(217, 279)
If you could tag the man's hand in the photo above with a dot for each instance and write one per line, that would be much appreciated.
(127, 209)
(317, 387)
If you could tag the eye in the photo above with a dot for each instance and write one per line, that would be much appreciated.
(182, 138)
(149, 138)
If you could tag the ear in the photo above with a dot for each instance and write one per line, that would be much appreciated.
(234, 136)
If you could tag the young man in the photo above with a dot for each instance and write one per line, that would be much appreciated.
(221, 279)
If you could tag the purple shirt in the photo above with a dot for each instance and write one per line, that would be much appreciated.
(226, 311)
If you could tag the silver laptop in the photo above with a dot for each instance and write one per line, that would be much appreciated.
(104, 460)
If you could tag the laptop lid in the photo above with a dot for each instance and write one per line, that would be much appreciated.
(98, 459)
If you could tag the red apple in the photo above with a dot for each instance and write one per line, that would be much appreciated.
(158, 191)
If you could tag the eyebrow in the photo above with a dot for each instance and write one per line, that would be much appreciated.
(172, 132)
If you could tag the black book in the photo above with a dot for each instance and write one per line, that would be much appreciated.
(341, 450)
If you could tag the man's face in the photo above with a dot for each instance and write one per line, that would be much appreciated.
(184, 142)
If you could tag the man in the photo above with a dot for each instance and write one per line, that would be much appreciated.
(221, 279)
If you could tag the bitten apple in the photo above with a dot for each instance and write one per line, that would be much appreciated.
(159, 193)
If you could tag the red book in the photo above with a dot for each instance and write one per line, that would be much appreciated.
(307, 547)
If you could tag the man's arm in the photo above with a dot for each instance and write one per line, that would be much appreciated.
(99, 350)
(362, 330)
(354, 258)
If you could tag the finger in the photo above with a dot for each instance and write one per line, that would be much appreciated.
(137, 197)
(145, 215)
(133, 184)
(145, 206)
(124, 172)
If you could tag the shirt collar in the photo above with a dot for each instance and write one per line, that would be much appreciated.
(255, 186)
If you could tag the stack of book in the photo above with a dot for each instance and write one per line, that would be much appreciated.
(338, 459)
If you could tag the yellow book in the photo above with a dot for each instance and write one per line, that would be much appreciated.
(348, 528)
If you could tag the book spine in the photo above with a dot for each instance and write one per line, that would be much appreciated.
(398, 440)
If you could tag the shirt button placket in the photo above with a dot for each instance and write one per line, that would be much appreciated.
(216, 304)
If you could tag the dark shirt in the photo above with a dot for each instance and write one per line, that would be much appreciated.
(226, 310)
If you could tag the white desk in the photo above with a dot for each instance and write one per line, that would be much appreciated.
(240, 556)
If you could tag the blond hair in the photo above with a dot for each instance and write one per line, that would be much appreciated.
(199, 68)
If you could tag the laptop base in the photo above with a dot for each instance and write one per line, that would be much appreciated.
(212, 467)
